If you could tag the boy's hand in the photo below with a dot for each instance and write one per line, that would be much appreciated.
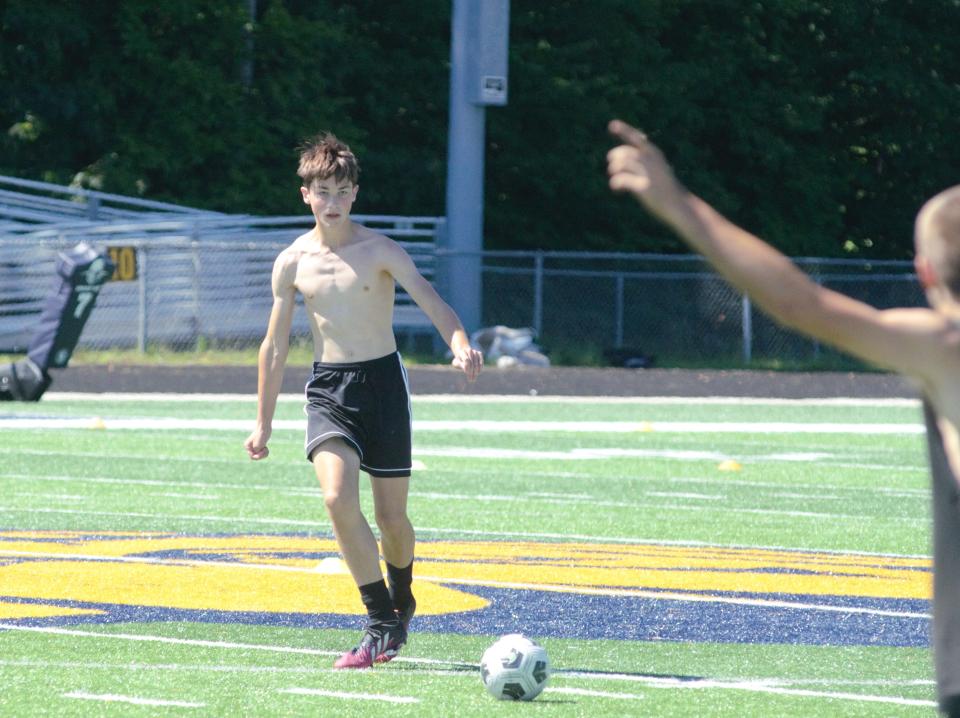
(638, 167)
(256, 444)
(470, 360)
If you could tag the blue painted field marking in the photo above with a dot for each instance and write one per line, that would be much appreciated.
(628, 591)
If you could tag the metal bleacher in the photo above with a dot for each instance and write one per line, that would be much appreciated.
(199, 274)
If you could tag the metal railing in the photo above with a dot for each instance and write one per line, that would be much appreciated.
(30, 203)
(192, 284)
(201, 278)
(199, 275)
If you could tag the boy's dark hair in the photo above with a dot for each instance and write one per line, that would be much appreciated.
(325, 156)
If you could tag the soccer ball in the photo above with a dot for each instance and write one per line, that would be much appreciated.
(515, 668)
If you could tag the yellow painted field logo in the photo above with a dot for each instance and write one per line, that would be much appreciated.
(41, 571)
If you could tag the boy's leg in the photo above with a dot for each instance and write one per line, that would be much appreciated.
(397, 540)
(338, 469)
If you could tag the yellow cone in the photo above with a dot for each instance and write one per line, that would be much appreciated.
(97, 423)
(729, 465)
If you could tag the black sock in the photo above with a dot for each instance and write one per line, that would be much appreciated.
(399, 580)
(377, 600)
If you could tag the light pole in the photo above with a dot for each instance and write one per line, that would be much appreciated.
(479, 39)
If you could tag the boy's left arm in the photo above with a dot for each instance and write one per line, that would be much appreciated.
(404, 271)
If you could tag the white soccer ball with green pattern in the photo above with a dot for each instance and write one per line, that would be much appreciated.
(515, 668)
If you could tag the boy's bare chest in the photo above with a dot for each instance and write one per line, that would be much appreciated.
(323, 278)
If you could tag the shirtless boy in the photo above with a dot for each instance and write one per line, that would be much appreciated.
(921, 343)
(358, 405)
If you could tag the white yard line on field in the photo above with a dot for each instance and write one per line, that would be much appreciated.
(761, 686)
(720, 480)
(195, 497)
(187, 667)
(920, 521)
(683, 495)
(456, 533)
(56, 497)
(843, 682)
(60, 396)
(199, 643)
(160, 483)
(588, 454)
(672, 427)
(117, 456)
(182, 517)
(350, 696)
(142, 397)
(566, 690)
(475, 425)
(465, 452)
(659, 400)
(315, 492)
(724, 480)
(220, 667)
(112, 698)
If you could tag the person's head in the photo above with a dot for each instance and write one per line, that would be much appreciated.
(328, 172)
(937, 242)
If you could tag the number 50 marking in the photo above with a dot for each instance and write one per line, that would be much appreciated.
(124, 262)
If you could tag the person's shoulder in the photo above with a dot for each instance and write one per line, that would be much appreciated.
(370, 237)
(375, 243)
(938, 355)
(932, 337)
(286, 261)
(295, 250)
(300, 244)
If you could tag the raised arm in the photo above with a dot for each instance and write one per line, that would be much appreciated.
(886, 338)
(404, 271)
(273, 354)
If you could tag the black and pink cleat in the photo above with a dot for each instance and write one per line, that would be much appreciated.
(380, 643)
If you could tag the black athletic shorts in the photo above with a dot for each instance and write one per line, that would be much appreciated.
(367, 404)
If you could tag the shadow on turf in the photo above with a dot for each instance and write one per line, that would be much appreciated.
(414, 664)
(411, 664)
(632, 674)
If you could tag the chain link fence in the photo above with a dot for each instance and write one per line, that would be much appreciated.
(185, 284)
(180, 284)
(675, 308)
(187, 278)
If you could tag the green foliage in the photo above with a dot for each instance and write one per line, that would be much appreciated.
(821, 125)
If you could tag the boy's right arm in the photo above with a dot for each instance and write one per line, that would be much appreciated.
(273, 354)
(906, 340)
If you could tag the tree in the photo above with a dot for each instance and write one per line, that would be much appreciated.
(820, 125)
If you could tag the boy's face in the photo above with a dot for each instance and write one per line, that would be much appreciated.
(330, 200)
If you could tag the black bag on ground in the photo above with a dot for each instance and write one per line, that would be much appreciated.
(22, 381)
